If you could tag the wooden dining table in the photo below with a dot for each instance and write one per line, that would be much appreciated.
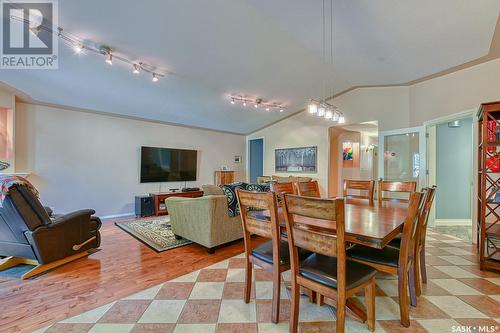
(374, 226)
(370, 225)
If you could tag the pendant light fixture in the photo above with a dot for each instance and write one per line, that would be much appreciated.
(322, 108)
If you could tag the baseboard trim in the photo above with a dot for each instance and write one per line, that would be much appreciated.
(114, 216)
(441, 222)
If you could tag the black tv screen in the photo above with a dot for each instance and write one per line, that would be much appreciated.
(167, 164)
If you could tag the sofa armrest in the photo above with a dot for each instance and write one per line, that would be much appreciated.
(203, 220)
(65, 236)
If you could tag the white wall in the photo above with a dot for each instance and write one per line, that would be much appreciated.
(85, 160)
(455, 92)
(387, 105)
(392, 107)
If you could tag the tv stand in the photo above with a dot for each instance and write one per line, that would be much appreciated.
(159, 199)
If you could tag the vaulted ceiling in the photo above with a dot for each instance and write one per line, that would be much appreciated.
(260, 48)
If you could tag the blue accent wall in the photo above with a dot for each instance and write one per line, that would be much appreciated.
(454, 170)
(256, 159)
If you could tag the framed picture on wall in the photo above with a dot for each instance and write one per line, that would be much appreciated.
(347, 151)
(237, 159)
(303, 159)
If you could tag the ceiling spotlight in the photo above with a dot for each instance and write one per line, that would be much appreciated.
(341, 119)
(328, 114)
(312, 108)
(267, 108)
(136, 69)
(232, 101)
(335, 116)
(281, 110)
(155, 78)
(256, 106)
(109, 59)
(78, 48)
(244, 103)
(321, 111)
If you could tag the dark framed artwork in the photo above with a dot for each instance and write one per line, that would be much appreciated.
(303, 159)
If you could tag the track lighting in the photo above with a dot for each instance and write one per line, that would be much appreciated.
(136, 69)
(328, 114)
(312, 108)
(321, 111)
(155, 78)
(341, 119)
(256, 102)
(78, 48)
(109, 59)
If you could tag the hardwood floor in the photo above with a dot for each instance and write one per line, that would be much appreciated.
(123, 266)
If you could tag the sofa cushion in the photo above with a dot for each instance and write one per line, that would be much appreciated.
(232, 201)
(212, 190)
(230, 192)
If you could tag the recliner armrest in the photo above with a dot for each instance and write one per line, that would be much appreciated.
(76, 215)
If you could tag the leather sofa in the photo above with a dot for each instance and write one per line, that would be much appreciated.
(27, 231)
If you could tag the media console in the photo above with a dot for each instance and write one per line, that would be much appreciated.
(160, 207)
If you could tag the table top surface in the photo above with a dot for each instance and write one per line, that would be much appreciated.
(373, 226)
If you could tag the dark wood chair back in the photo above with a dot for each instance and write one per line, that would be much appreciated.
(332, 245)
(424, 217)
(366, 187)
(395, 187)
(283, 188)
(250, 202)
(410, 230)
(308, 189)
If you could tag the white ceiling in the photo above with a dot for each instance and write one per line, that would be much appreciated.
(261, 48)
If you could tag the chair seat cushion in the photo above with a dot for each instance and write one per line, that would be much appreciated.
(323, 269)
(388, 256)
(396, 242)
(265, 252)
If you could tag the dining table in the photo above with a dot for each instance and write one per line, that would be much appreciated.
(370, 225)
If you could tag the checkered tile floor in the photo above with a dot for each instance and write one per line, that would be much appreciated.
(458, 295)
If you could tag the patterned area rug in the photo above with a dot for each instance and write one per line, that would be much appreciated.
(155, 232)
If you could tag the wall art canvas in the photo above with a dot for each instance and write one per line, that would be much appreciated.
(302, 159)
(348, 151)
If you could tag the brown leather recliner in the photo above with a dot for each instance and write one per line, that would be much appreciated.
(28, 235)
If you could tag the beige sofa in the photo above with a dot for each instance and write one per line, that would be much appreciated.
(204, 220)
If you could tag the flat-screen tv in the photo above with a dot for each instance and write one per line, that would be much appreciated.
(167, 165)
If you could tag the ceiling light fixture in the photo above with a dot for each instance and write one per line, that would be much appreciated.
(79, 45)
(136, 69)
(155, 78)
(256, 102)
(322, 108)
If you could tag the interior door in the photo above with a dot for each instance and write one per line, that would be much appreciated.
(402, 155)
(256, 159)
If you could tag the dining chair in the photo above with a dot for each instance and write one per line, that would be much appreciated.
(395, 187)
(420, 268)
(272, 255)
(366, 187)
(325, 271)
(283, 188)
(396, 261)
(308, 189)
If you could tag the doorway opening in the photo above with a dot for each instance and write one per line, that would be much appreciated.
(255, 159)
(450, 168)
(353, 155)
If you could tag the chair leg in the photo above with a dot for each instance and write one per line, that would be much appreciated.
(275, 318)
(416, 277)
(340, 314)
(412, 285)
(248, 280)
(404, 301)
(423, 268)
(370, 305)
(294, 308)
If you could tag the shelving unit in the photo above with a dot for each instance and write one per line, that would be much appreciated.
(488, 232)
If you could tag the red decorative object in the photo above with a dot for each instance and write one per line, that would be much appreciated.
(493, 163)
(492, 127)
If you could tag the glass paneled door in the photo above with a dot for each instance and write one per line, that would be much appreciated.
(402, 155)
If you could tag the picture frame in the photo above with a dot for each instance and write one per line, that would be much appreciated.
(237, 159)
(299, 160)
